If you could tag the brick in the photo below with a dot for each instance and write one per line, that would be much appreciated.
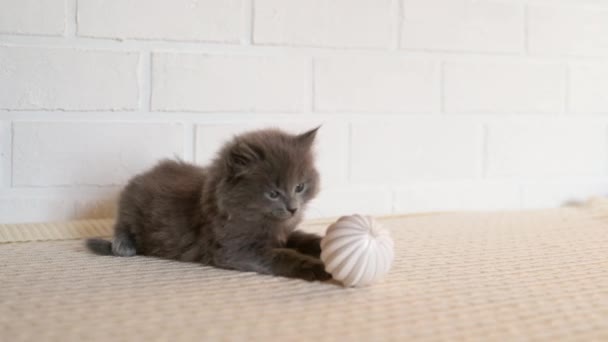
(452, 196)
(391, 84)
(399, 152)
(75, 154)
(191, 82)
(588, 89)
(5, 154)
(549, 194)
(340, 201)
(32, 17)
(568, 30)
(546, 148)
(504, 87)
(339, 23)
(331, 145)
(20, 209)
(463, 25)
(86, 209)
(67, 79)
(202, 20)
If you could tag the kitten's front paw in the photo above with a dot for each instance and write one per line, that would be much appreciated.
(305, 243)
(313, 270)
(312, 247)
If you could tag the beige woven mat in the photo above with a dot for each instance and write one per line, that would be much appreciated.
(537, 275)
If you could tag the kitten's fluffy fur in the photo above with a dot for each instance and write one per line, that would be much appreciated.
(238, 213)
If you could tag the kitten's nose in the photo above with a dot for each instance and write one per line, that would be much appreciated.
(292, 210)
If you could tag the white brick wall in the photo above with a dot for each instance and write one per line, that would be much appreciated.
(546, 149)
(482, 87)
(202, 20)
(402, 151)
(227, 83)
(67, 79)
(426, 105)
(32, 17)
(98, 154)
(588, 88)
(342, 23)
(463, 25)
(379, 84)
(466, 195)
(5, 154)
(568, 30)
(35, 209)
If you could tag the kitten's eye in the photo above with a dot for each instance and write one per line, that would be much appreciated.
(272, 195)
(300, 187)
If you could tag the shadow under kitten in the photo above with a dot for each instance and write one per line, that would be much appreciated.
(238, 213)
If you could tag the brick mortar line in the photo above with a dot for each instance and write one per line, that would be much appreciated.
(248, 23)
(219, 48)
(567, 88)
(71, 19)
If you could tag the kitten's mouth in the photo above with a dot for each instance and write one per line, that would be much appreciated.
(283, 216)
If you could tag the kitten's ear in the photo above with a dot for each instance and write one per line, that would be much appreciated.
(308, 137)
(243, 155)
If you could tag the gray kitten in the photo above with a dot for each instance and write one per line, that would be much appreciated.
(238, 213)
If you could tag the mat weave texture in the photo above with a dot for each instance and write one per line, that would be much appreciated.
(504, 276)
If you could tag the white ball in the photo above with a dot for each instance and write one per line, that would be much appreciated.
(357, 251)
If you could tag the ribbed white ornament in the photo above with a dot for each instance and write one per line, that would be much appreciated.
(357, 251)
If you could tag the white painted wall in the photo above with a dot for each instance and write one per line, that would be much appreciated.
(426, 104)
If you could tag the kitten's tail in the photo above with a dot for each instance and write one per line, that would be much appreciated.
(122, 244)
(99, 246)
